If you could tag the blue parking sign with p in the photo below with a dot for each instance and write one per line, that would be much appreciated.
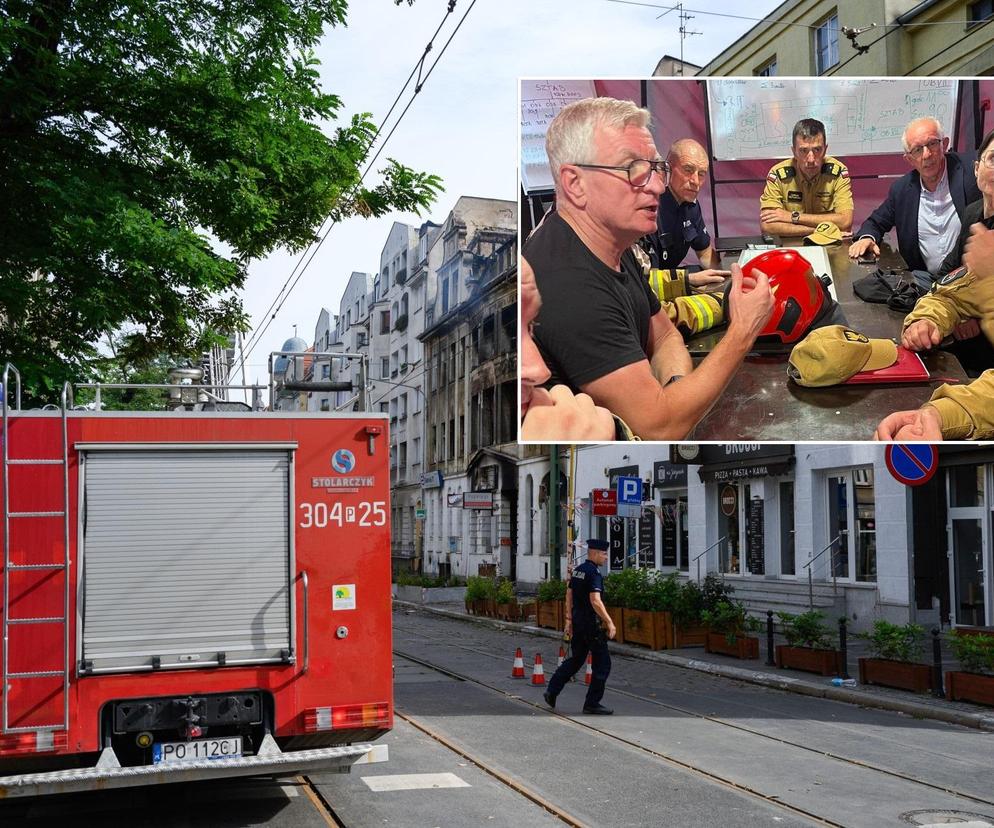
(629, 490)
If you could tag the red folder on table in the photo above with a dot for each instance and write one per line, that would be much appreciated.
(908, 368)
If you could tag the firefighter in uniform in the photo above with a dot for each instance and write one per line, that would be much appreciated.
(590, 625)
(807, 189)
(955, 412)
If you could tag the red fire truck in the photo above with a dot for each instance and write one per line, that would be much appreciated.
(190, 594)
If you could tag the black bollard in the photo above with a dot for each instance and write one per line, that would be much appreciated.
(843, 652)
(937, 690)
(770, 661)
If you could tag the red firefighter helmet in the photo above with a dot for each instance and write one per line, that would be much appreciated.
(799, 297)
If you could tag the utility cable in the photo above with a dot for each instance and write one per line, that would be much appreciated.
(287, 288)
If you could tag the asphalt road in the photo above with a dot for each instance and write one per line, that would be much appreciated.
(471, 746)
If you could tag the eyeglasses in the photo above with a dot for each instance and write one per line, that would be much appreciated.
(639, 171)
(933, 146)
(988, 161)
(690, 171)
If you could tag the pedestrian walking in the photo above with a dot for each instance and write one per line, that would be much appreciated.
(590, 626)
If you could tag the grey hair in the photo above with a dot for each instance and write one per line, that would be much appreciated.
(570, 137)
(928, 119)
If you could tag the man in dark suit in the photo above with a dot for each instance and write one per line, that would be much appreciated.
(926, 205)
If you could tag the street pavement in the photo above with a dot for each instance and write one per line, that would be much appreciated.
(688, 747)
(758, 672)
(696, 740)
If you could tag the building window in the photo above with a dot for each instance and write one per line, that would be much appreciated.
(787, 566)
(384, 322)
(768, 69)
(852, 520)
(980, 11)
(384, 367)
(384, 407)
(827, 45)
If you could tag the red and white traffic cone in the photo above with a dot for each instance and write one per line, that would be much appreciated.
(518, 670)
(590, 669)
(538, 672)
(562, 656)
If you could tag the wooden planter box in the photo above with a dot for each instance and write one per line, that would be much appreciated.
(904, 675)
(808, 659)
(509, 611)
(526, 611)
(617, 616)
(689, 636)
(649, 628)
(490, 607)
(973, 687)
(745, 646)
(550, 614)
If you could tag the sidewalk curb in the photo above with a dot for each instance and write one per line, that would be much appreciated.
(790, 684)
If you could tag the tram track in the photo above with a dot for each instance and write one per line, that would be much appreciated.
(973, 799)
(566, 720)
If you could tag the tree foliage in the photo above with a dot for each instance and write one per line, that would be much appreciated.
(148, 151)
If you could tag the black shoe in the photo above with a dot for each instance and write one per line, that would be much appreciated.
(549, 699)
(597, 709)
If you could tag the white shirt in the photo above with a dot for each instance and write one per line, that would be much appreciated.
(938, 223)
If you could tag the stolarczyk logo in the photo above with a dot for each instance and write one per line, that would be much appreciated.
(343, 461)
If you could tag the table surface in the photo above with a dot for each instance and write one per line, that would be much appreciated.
(761, 404)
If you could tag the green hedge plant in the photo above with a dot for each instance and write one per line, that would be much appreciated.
(896, 642)
(551, 590)
(505, 593)
(975, 653)
(807, 630)
(730, 619)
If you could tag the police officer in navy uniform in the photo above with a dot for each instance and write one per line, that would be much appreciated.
(680, 224)
(588, 622)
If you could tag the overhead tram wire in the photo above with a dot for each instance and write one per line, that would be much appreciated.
(253, 339)
(970, 33)
(417, 89)
(379, 129)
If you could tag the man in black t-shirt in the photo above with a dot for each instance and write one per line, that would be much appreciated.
(590, 626)
(601, 330)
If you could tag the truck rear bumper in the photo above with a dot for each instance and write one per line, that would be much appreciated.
(270, 761)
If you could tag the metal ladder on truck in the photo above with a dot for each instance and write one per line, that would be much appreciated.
(11, 626)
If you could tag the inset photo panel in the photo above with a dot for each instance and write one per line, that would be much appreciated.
(756, 259)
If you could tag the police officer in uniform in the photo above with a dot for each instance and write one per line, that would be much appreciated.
(591, 626)
(807, 189)
(679, 222)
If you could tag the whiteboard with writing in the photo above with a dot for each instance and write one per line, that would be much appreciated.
(541, 101)
(754, 118)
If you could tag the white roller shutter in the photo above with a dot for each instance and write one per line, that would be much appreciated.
(186, 555)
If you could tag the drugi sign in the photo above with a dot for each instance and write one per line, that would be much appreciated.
(729, 498)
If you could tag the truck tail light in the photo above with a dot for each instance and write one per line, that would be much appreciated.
(347, 716)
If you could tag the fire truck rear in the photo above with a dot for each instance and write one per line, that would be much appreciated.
(191, 594)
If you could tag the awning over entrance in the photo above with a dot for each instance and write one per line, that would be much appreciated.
(737, 461)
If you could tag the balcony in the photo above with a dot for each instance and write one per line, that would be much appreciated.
(401, 324)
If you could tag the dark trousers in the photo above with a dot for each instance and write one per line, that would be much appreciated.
(583, 643)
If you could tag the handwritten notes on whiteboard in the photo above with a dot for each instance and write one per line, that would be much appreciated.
(541, 101)
(753, 118)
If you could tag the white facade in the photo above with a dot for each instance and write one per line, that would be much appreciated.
(839, 492)
(353, 335)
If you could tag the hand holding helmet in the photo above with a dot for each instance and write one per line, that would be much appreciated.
(750, 302)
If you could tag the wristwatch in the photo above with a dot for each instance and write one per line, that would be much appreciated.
(795, 216)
